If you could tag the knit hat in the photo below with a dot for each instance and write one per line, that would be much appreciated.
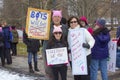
(101, 22)
(57, 13)
(57, 29)
(83, 18)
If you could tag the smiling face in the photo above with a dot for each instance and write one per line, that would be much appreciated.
(73, 23)
(56, 20)
(57, 35)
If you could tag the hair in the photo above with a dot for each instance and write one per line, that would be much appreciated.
(52, 40)
(71, 19)
(99, 30)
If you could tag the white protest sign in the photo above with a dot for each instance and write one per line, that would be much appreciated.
(57, 56)
(112, 56)
(79, 65)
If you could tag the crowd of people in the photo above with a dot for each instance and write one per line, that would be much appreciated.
(8, 43)
(94, 41)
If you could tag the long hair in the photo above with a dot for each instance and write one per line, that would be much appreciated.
(52, 41)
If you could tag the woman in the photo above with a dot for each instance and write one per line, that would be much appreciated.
(100, 50)
(57, 41)
(86, 43)
(84, 24)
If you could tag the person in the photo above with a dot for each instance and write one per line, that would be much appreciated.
(100, 53)
(33, 46)
(57, 41)
(84, 24)
(15, 39)
(2, 47)
(56, 19)
(73, 22)
(7, 40)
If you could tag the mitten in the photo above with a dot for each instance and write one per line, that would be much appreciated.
(86, 45)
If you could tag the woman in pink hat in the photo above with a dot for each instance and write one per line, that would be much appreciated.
(84, 24)
(57, 41)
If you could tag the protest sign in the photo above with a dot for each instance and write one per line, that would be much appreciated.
(112, 56)
(38, 23)
(79, 64)
(57, 56)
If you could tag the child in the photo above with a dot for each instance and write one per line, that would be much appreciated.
(57, 41)
(100, 50)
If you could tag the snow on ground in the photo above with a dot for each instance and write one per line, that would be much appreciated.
(6, 75)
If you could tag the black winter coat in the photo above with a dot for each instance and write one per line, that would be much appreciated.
(33, 45)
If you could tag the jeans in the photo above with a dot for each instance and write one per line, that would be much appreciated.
(14, 48)
(98, 64)
(30, 57)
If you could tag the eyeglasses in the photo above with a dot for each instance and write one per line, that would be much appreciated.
(57, 33)
(73, 22)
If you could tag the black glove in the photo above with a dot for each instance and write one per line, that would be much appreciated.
(86, 45)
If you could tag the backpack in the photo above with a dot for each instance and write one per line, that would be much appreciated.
(14, 36)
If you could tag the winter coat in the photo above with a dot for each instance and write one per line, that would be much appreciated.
(57, 44)
(1, 39)
(118, 32)
(100, 49)
(64, 30)
(87, 37)
(33, 45)
(7, 36)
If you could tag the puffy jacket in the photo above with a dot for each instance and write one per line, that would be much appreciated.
(7, 36)
(100, 49)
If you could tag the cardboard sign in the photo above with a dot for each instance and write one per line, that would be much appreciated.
(79, 64)
(57, 56)
(112, 56)
(38, 23)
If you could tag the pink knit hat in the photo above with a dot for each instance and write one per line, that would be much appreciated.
(57, 29)
(57, 13)
(83, 18)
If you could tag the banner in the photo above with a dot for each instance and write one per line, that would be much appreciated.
(79, 64)
(38, 23)
(57, 56)
(112, 56)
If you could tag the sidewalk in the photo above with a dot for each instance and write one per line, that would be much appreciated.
(20, 65)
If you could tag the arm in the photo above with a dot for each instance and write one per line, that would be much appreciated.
(89, 39)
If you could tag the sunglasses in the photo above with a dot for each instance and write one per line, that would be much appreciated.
(73, 22)
(57, 32)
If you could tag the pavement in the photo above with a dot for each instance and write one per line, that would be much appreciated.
(20, 65)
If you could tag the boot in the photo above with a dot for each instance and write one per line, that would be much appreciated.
(35, 67)
(30, 68)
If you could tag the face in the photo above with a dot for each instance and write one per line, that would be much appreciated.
(96, 27)
(56, 20)
(4, 24)
(58, 35)
(82, 23)
(73, 23)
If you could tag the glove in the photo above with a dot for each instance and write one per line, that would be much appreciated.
(86, 45)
